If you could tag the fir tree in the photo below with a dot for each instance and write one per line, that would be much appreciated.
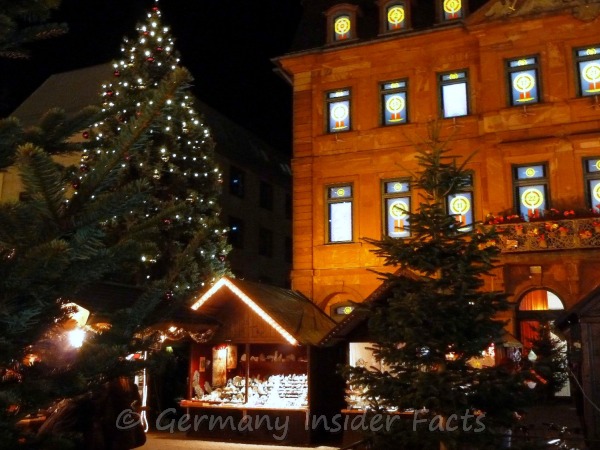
(26, 21)
(437, 318)
(177, 161)
(548, 360)
(138, 215)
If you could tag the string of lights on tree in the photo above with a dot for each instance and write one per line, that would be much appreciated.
(177, 158)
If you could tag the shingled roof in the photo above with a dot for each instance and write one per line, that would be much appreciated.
(294, 313)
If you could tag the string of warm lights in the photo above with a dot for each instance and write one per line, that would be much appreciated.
(178, 154)
(249, 302)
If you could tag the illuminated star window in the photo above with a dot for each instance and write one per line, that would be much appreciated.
(592, 182)
(588, 70)
(341, 23)
(394, 107)
(396, 207)
(531, 189)
(523, 81)
(452, 10)
(338, 110)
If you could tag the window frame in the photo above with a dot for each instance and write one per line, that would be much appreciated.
(383, 92)
(240, 190)
(329, 201)
(441, 13)
(238, 242)
(535, 67)
(331, 99)
(442, 83)
(577, 59)
(266, 195)
(588, 178)
(384, 23)
(386, 197)
(335, 12)
(266, 239)
(470, 189)
(533, 181)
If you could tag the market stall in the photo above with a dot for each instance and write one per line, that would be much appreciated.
(258, 378)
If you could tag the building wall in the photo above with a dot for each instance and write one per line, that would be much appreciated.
(560, 131)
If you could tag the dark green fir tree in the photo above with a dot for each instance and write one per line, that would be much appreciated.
(437, 318)
(548, 360)
(177, 161)
(25, 21)
(142, 213)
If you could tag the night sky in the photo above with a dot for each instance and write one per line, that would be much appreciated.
(226, 44)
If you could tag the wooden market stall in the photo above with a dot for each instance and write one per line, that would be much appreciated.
(261, 375)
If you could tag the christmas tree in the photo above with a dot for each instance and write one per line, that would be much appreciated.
(142, 211)
(177, 161)
(438, 319)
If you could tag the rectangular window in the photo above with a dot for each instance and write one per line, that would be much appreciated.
(394, 102)
(236, 232)
(236, 181)
(523, 81)
(454, 94)
(531, 189)
(338, 111)
(460, 205)
(396, 16)
(396, 206)
(266, 195)
(591, 173)
(588, 70)
(265, 242)
(339, 213)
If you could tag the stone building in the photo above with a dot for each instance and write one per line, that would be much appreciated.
(516, 81)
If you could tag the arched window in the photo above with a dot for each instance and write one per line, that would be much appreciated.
(341, 23)
(394, 16)
(537, 306)
(451, 10)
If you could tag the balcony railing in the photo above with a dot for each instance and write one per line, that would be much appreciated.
(549, 235)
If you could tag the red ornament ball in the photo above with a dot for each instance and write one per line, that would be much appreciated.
(116, 73)
(86, 134)
(159, 49)
(110, 93)
(150, 59)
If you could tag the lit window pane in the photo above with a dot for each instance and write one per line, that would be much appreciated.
(396, 17)
(397, 216)
(523, 81)
(454, 98)
(342, 28)
(532, 199)
(340, 222)
(530, 172)
(588, 70)
(452, 9)
(461, 207)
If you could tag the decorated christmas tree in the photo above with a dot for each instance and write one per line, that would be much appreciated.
(437, 320)
(176, 160)
(142, 212)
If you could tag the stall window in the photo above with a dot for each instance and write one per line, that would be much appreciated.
(266, 195)
(531, 189)
(396, 208)
(236, 232)
(454, 94)
(394, 104)
(588, 70)
(338, 110)
(236, 181)
(451, 10)
(591, 171)
(395, 16)
(460, 205)
(523, 81)
(339, 213)
(341, 23)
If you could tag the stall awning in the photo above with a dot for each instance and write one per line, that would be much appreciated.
(293, 316)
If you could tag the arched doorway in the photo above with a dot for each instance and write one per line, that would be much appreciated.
(538, 307)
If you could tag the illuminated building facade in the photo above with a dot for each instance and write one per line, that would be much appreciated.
(526, 99)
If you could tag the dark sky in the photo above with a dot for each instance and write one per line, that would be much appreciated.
(226, 44)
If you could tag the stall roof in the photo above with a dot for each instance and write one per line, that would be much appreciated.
(348, 326)
(292, 315)
(588, 306)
